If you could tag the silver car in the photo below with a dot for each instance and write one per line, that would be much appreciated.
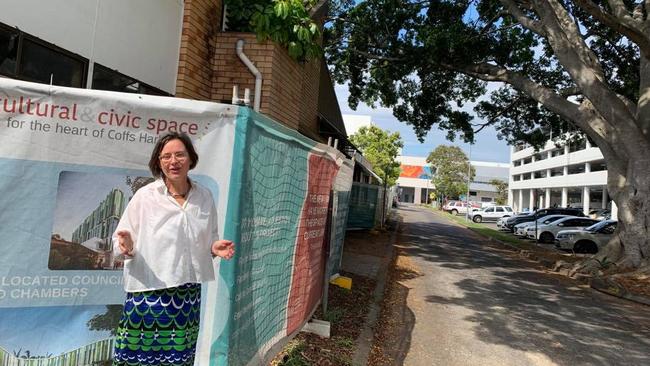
(520, 229)
(546, 233)
(491, 213)
(589, 240)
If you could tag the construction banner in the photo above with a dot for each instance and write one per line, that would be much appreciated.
(70, 160)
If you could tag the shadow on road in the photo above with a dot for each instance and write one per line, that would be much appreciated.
(515, 305)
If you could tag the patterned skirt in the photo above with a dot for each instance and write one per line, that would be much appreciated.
(159, 327)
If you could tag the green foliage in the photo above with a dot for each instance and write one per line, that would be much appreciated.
(344, 342)
(334, 314)
(293, 356)
(286, 22)
(450, 165)
(423, 59)
(106, 321)
(502, 191)
(380, 148)
(604, 263)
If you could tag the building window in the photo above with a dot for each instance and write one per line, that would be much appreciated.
(516, 163)
(577, 146)
(557, 152)
(520, 147)
(528, 160)
(540, 174)
(516, 178)
(540, 156)
(8, 50)
(525, 176)
(25, 57)
(486, 199)
(598, 166)
(557, 172)
(576, 169)
(472, 193)
(107, 79)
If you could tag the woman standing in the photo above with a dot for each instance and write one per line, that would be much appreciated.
(168, 235)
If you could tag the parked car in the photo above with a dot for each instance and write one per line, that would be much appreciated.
(589, 240)
(511, 222)
(600, 214)
(520, 229)
(501, 223)
(546, 233)
(457, 207)
(491, 213)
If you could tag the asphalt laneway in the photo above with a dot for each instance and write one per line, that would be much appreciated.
(476, 304)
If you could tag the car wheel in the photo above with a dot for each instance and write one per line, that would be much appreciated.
(585, 246)
(546, 237)
(477, 219)
(454, 212)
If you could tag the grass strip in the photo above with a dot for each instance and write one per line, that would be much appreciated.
(480, 229)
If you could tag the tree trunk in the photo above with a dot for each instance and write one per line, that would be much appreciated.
(629, 185)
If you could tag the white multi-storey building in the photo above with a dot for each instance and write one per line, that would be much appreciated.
(574, 175)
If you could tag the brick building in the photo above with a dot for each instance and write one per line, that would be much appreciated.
(164, 47)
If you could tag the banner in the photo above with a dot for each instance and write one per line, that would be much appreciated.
(70, 160)
(340, 206)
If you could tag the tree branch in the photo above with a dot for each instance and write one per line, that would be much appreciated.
(622, 23)
(501, 113)
(574, 38)
(612, 107)
(539, 93)
(519, 15)
(375, 57)
(570, 92)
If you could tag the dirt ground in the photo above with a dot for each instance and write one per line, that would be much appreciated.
(347, 311)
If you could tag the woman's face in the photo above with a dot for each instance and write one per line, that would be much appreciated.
(174, 160)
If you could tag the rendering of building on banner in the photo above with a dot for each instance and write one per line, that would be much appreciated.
(573, 175)
(414, 183)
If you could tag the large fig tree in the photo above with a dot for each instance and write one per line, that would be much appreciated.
(561, 65)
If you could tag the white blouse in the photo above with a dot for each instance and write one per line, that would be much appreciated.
(172, 243)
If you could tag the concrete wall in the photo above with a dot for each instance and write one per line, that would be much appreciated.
(587, 190)
(137, 38)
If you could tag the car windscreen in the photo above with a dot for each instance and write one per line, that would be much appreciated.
(550, 219)
(599, 225)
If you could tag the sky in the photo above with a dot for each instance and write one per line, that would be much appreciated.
(38, 329)
(79, 195)
(486, 148)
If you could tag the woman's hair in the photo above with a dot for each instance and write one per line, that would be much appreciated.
(154, 162)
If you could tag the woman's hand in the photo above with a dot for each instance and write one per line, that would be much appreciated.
(223, 248)
(125, 243)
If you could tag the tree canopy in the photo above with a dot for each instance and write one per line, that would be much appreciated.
(381, 149)
(428, 58)
(451, 167)
(502, 191)
(560, 66)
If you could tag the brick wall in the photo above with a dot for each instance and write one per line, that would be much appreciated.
(209, 67)
(309, 93)
(201, 22)
(289, 88)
